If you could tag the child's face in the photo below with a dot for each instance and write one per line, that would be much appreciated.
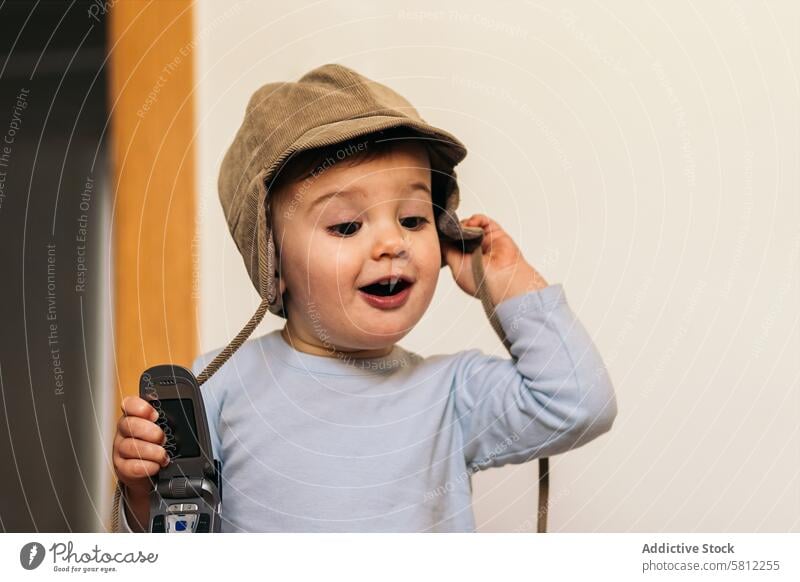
(380, 223)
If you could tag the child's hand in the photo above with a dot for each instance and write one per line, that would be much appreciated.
(138, 451)
(506, 271)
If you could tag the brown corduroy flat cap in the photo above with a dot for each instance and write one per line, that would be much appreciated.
(328, 105)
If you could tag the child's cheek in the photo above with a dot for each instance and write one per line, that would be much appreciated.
(331, 264)
(427, 253)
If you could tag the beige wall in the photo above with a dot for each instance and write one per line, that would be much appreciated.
(645, 155)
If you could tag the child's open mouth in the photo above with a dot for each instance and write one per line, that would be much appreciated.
(388, 293)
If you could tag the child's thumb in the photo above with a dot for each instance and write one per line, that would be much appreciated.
(455, 258)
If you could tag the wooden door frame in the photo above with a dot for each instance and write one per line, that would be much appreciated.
(151, 50)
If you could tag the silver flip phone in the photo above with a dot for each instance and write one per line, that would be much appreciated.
(187, 497)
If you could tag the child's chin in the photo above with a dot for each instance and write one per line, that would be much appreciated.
(385, 327)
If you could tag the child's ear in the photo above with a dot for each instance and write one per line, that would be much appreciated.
(277, 275)
(281, 283)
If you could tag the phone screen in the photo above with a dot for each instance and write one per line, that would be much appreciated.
(180, 428)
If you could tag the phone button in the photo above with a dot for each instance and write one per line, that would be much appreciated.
(181, 523)
(158, 524)
(181, 507)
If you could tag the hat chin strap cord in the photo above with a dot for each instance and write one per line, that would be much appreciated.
(483, 294)
(488, 307)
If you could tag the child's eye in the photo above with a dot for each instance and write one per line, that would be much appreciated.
(417, 222)
(350, 228)
(344, 229)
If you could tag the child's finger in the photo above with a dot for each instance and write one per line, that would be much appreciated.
(139, 428)
(483, 221)
(135, 406)
(490, 229)
(129, 448)
(476, 219)
(137, 468)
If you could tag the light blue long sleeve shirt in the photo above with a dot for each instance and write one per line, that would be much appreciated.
(320, 444)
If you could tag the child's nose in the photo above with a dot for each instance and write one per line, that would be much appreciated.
(391, 241)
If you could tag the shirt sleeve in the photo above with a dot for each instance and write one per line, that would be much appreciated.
(552, 395)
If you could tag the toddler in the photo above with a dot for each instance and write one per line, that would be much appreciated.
(342, 201)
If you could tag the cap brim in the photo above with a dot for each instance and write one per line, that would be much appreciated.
(445, 143)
